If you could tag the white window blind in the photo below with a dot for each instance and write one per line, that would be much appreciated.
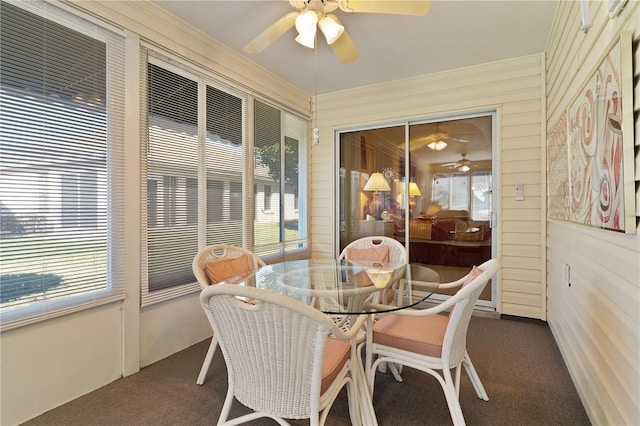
(61, 163)
(225, 167)
(280, 161)
(194, 171)
(171, 177)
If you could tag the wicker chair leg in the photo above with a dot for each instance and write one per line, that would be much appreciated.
(207, 361)
(475, 379)
(450, 393)
(395, 370)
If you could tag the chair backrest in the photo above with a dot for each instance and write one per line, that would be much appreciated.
(273, 347)
(455, 338)
(397, 253)
(217, 252)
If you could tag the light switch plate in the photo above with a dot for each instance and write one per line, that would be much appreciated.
(519, 192)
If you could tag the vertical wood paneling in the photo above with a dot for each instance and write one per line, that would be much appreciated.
(596, 317)
(515, 89)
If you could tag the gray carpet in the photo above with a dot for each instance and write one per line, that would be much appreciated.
(518, 362)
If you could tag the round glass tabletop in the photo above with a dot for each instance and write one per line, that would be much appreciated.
(340, 287)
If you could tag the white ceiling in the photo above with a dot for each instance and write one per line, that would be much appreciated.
(452, 35)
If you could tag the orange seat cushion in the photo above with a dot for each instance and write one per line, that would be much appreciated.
(373, 254)
(422, 335)
(222, 269)
(336, 354)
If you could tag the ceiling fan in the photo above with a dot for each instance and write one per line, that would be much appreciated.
(437, 140)
(463, 165)
(309, 15)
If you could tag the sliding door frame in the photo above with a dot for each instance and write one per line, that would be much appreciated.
(493, 113)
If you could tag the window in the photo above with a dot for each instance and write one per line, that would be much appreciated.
(201, 188)
(172, 175)
(214, 200)
(267, 197)
(481, 200)
(459, 191)
(61, 168)
(280, 141)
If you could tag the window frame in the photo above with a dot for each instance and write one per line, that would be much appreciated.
(113, 189)
(248, 190)
(469, 177)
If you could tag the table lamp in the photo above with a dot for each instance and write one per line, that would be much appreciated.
(376, 183)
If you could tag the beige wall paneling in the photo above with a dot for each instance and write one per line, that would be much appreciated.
(155, 25)
(55, 361)
(595, 319)
(515, 89)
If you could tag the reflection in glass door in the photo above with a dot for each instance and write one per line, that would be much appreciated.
(436, 195)
(371, 172)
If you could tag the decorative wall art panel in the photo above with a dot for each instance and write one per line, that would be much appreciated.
(558, 171)
(600, 149)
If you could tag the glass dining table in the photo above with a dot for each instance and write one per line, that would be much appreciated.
(343, 287)
(347, 291)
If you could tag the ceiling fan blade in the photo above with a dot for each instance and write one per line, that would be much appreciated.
(454, 139)
(271, 34)
(344, 49)
(416, 7)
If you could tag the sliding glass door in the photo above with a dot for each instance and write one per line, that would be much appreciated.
(427, 184)
(371, 173)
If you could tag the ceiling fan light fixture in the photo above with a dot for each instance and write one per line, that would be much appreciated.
(464, 168)
(331, 28)
(307, 39)
(307, 24)
(437, 145)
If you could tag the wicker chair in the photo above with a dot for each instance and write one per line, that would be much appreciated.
(431, 342)
(397, 254)
(210, 257)
(375, 248)
(378, 249)
(281, 362)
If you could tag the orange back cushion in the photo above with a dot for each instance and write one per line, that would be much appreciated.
(374, 254)
(220, 270)
(475, 273)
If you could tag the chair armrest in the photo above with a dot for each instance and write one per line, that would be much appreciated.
(490, 267)
(413, 312)
(453, 284)
(352, 333)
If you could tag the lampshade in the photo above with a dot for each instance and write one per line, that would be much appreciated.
(307, 39)
(437, 145)
(414, 190)
(330, 27)
(306, 24)
(464, 168)
(376, 183)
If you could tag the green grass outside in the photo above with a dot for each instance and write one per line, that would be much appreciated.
(269, 233)
(74, 261)
(70, 261)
